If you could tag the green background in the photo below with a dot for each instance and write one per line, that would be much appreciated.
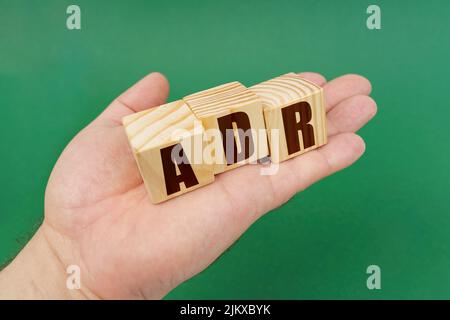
(392, 208)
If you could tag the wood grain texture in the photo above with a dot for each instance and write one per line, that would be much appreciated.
(283, 98)
(152, 133)
(234, 102)
(181, 145)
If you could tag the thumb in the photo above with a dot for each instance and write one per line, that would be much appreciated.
(150, 91)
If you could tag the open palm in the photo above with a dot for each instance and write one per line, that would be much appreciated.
(98, 215)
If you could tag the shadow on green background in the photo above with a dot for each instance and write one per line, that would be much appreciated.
(391, 209)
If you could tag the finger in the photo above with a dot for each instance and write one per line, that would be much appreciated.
(107, 166)
(345, 87)
(351, 114)
(293, 175)
(250, 191)
(219, 213)
(150, 91)
(317, 78)
(299, 173)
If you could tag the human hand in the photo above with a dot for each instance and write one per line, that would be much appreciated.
(98, 215)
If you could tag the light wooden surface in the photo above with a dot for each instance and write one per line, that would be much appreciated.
(153, 134)
(229, 107)
(286, 99)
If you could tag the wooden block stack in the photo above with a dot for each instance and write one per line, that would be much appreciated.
(181, 145)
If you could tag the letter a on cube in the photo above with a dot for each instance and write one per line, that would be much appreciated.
(167, 143)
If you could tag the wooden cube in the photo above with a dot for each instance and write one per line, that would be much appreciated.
(294, 114)
(234, 122)
(167, 142)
